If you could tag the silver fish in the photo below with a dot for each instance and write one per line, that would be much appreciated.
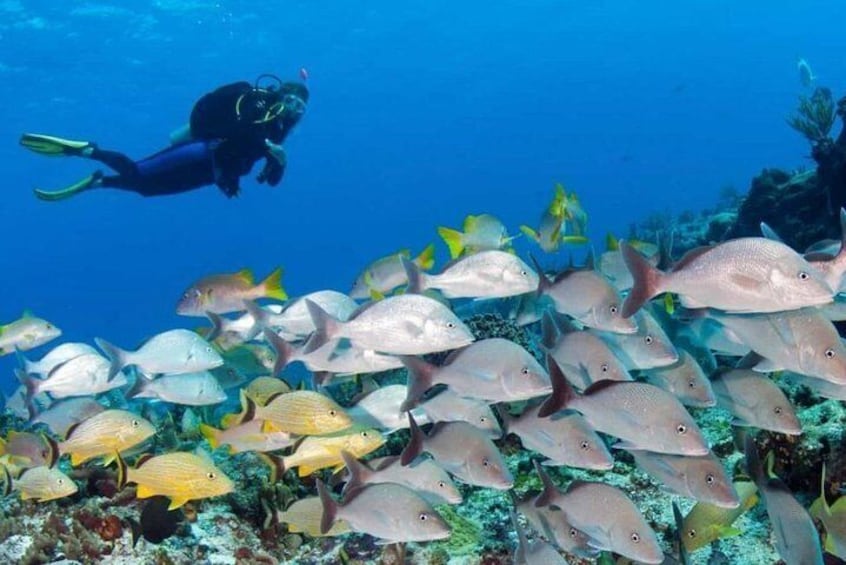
(171, 352)
(81, 376)
(294, 322)
(425, 477)
(447, 406)
(26, 333)
(493, 370)
(803, 341)
(643, 416)
(716, 337)
(745, 275)
(389, 512)
(584, 357)
(387, 273)
(552, 522)
(796, 537)
(686, 380)
(648, 348)
(566, 439)
(487, 274)
(462, 450)
(188, 389)
(56, 356)
(754, 400)
(408, 324)
(824, 388)
(588, 297)
(537, 553)
(380, 409)
(701, 478)
(606, 515)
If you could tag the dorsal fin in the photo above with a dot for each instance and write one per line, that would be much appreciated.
(599, 386)
(691, 255)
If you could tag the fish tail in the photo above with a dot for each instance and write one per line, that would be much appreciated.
(549, 491)
(52, 448)
(549, 331)
(421, 377)
(217, 326)
(276, 463)
(326, 327)
(284, 350)
(330, 508)
(137, 532)
(505, 416)
(142, 381)
(2, 446)
(453, 239)
(415, 444)
(211, 435)
(122, 471)
(115, 354)
(24, 363)
(416, 277)
(426, 259)
(543, 282)
(30, 384)
(530, 233)
(7, 481)
(647, 280)
(248, 409)
(753, 461)
(562, 392)
(272, 286)
(357, 470)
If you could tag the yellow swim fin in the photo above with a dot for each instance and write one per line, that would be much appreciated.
(53, 146)
(91, 181)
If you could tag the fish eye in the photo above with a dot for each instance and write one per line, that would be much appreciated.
(525, 370)
(604, 367)
(778, 410)
(211, 475)
(803, 276)
(681, 429)
(691, 533)
(524, 273)
(423, 517)
(49, 327)
(635, 537)
(333, 412)
(450, 325)
(613, 309)
(441, 484)
(486, 463)
(135, 423)
(483, 420)
(829, 353)
(710, 479)
(365, 434)
(585, 445)
(60, 481)
(691, 383)
(574, 532)
(648, 339)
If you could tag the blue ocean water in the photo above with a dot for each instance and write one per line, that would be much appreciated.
(421, 112)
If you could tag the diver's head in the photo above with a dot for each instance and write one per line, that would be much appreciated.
(293, 98)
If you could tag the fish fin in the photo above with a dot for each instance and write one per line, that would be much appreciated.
(276, 464)
(144, 491)
(452, 238)
(562, 392)
(136, 530)
(376, 295)
(52, 448)
(122, 471)
(421, 377)
(669, 303)
(647, 280)
(7, 481)
(142, 381)
(543, 282)
(326, 327)
(115, 354)
(416, 278)
(211, 435)
(330, 508)
(530, 233)
(358, 471)
(217, 326)
(30, 384)
(574, 239)
(415, 443)
(177, 502)
(2, 446)
(549, 331)
(426, 259)
(611, 242)
(272, 286)
(770, 233)
(505, 416)
(22, 360)
(284, 351)
(77, 459)
(549, 491)
(246, 275)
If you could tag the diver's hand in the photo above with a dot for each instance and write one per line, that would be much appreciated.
(277, 152)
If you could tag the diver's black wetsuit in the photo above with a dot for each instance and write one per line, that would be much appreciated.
(176, 169)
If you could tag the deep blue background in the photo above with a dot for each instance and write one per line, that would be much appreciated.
(421, 112)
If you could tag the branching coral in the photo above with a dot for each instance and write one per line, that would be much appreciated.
(815, 116)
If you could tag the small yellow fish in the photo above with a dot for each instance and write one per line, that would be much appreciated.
(304, 515)
(833, 519)
(104, 434)
(40, 483)
(315, 453)
(481, 233)
(262, 389)
(302, 412)
(181, 476)
(387, 273)
(706, 522)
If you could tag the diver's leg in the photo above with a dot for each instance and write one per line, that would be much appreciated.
(116, 161)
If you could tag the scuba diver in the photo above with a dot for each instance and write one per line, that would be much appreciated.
(230, 129)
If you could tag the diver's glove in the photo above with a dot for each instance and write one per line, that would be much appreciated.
(275, 164)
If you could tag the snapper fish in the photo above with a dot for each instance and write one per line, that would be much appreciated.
(188, 389)
(294, 322)
(486, 274)
(481, 233)
(105, 434)
(707, 522)
(222, 294)
(304, 516)
(745, 275)
(26, 333)
(552, 231)
(41, 484)
(387, 273)
(318, 452)
(172, 352)
(55, 357)
(537, 553)
(85, 375)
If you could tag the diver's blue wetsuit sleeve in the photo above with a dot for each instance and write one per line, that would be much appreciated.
(178, 168)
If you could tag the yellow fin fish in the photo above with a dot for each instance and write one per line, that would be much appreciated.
(104, 434)
(706, 522)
